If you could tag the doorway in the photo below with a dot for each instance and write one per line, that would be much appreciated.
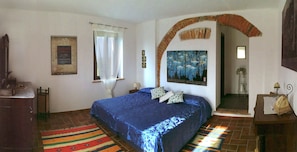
(234, 93)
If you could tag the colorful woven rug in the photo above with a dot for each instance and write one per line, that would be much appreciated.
(79, 139)
(207, 139)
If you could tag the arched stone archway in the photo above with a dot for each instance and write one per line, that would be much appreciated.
(232, 20)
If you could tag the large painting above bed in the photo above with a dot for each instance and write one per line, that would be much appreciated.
(289, 41)
(187, 66)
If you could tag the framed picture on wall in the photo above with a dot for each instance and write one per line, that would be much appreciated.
(63, 55)
(187, 66)
(289, 36)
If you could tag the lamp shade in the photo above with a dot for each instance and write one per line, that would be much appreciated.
(276, 85)
(136, 85)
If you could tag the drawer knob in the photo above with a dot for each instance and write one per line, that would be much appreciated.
(31, 109)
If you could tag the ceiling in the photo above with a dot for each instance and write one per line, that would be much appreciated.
(137, 11)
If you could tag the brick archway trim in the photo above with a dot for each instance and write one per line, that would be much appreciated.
(232, 20)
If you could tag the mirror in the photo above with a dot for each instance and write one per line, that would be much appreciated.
(240, 52)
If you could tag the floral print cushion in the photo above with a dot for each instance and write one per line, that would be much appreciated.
(157, 92)
(176, 98)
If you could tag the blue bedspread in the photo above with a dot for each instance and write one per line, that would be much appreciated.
(150, 125)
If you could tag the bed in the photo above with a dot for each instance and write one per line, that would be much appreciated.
(150, 125)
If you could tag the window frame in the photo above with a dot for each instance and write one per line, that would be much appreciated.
(96, 78)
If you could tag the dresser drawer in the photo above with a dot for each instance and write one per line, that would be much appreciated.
(5, 103)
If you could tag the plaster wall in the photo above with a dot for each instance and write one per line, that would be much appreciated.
(30, 55)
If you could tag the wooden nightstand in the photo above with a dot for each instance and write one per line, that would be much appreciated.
(133, 91)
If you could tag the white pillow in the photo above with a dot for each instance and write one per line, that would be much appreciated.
(166, 96)
(157, 92)
(176, 98)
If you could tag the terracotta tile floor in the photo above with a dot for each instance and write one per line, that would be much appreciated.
(234, 104)
(240, 139)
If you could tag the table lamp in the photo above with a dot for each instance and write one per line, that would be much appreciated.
(276, 87)
(136, 85)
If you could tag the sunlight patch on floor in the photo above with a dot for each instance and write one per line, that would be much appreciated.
(212, 139)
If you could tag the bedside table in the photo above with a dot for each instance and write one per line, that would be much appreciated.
(133, 91)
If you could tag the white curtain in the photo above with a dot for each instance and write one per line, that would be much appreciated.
(108, 49)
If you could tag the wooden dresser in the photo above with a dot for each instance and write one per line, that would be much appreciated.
(275, 133)
(17, 120)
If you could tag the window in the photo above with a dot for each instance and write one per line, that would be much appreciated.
(108, 54)
(240, 52)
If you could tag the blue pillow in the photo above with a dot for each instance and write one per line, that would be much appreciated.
(146, 90)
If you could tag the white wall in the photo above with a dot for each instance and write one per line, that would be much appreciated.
(263, 52)
(30, 57)
(146, 40)
(286, 76)
(218, 67)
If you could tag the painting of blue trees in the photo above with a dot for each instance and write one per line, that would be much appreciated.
(187, 66)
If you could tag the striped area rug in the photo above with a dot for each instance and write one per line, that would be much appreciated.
(78, 139)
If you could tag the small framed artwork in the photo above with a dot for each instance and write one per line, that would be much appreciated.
(143, 65)
(63, 55)
(143, 59)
